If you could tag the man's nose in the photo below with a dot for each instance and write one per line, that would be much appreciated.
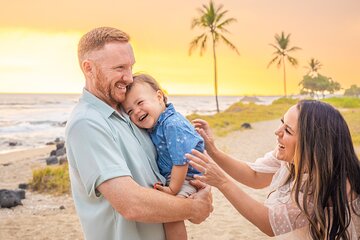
(128, 76)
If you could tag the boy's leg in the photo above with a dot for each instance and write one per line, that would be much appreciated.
(175, 231)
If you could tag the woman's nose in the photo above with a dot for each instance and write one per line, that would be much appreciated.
(278, 131)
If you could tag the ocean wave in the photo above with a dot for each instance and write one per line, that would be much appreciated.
(30, 126)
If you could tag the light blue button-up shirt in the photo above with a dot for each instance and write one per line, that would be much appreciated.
(173, 136)
(103, 144)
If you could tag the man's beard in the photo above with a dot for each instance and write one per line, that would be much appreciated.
(104, 87)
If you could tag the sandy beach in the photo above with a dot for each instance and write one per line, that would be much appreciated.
(41, 216)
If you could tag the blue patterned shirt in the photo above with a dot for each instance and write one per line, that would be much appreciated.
(173, 136)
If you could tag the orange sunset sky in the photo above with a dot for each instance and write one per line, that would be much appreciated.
(38, 41)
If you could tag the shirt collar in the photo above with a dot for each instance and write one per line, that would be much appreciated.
(100, 105)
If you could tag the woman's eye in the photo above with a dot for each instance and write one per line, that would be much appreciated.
(287, 131)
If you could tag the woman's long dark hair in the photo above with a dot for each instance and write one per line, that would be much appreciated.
(325, 152)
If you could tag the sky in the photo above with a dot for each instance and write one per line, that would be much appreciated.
(38, 43)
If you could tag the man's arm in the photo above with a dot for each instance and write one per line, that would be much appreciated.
(141, 204)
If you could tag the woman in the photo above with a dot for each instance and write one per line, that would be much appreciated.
(315, 185)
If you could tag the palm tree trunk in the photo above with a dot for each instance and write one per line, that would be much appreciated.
(215, 78)
(284, 76)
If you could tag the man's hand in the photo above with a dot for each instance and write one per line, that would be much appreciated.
(202, 203)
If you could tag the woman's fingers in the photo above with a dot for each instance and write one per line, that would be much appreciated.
(200, 155)
(197, 166)
(199, 123)
(203, 134)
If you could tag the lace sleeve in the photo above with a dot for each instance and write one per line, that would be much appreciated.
(286, 218)
(266, 164)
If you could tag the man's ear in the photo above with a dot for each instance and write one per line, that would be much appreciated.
(88, 68)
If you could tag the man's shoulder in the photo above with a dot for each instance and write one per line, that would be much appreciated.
(85, 113)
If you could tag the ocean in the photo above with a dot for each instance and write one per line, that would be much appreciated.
(32, 120)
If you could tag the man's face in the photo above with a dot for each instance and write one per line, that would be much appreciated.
(113, 72)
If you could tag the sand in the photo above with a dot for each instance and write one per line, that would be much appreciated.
(40, 216)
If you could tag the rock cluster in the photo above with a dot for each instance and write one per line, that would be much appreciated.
(58, 155)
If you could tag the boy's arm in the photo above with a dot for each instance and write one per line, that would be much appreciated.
(178, 175)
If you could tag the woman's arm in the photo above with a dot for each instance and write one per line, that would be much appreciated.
(252, 210)
(237, 169)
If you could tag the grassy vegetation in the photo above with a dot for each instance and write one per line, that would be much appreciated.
(350, 109)
(343, 102)
(239, 113)
(52, 179)
(352, 117)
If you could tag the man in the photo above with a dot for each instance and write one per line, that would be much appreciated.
(111, 162)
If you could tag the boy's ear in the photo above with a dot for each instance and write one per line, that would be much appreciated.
(160, 95)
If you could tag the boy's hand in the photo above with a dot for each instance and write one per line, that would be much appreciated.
(164, 189)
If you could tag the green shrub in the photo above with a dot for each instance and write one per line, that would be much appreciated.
(352, 117)
(238, 113)
(51, 179)
(285, 100)
(343, 102)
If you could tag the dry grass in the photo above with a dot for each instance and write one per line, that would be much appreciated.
(51, 179)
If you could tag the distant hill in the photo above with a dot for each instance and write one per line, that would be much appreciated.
(250, 99)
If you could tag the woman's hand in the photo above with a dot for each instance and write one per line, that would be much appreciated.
(203, 128)
(212, 174)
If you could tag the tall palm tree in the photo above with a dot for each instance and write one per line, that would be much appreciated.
(212, 20)
(281, 53)
(314, 67)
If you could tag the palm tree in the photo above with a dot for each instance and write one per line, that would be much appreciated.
(282, 52)
(314, 67)
(212, 20)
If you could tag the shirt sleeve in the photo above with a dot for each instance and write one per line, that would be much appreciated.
(285, 217)
(181, 138)
(97, 156)
(266, 164)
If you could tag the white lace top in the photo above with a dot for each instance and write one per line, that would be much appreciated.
(286, 219)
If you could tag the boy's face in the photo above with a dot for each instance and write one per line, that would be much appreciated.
(144, 105)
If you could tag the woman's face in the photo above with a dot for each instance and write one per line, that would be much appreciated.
(287, 135)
